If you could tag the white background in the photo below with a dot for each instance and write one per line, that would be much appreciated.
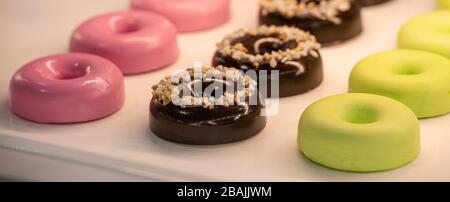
(121, 146)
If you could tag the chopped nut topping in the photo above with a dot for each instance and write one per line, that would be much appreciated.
(324, 10)
(171, 88)
(306, 45)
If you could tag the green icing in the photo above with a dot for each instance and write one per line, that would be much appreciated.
(428, 32)
(359, 133)
(420, 80)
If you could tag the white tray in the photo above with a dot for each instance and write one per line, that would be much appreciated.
(122, 143)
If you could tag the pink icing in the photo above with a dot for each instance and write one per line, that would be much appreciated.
(135, 41)
(188, 15)
(66, 89)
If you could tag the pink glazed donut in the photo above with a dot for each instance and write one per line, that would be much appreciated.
(135, 41)
(67, 88)
(188, 15)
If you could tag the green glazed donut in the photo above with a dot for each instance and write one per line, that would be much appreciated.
(443, 4)
(418, 79)
(428, 32)
(359, 133)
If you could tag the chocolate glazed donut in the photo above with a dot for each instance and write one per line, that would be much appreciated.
(330, 27)
(373, 2)
(296, 75)
(205, 123)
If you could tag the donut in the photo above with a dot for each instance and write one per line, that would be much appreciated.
(206, 106)
(443, 4)
(420, 80)
(331, 21)
(188, 15)
(373, 2)
(292, 52)
(359, 133)
(67, 88)
(428, 32)
(135, 41)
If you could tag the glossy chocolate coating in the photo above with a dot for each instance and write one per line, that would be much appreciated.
(201, 126)
(373, 2)
(326, 32)
(290, 82)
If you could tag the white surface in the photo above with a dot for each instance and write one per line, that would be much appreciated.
(122, 143)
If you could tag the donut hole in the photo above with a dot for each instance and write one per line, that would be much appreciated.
(66, 71)
(125, 25)
(360, 114)
(74, 71)
(408, 70)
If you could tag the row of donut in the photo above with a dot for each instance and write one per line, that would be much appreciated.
(88, 83)
(375, 127)
(143, 40)
(330, 21)
(356, 132)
